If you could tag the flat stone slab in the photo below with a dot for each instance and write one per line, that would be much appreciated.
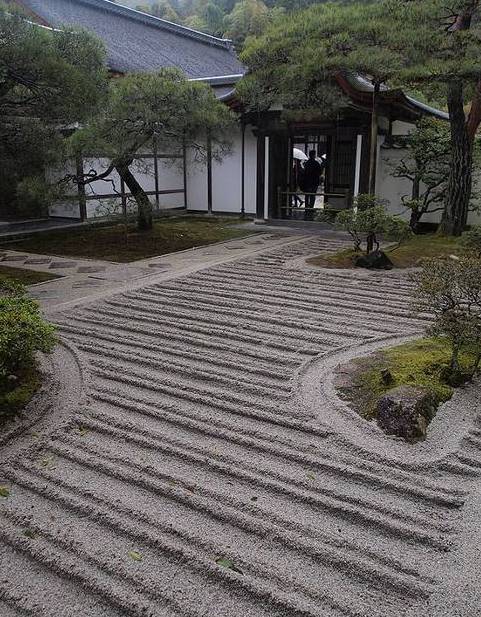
(90, 269)
(44, 295)
(38, 260)
(62, 264)
(87, 283)
(15, 258)
(160, 266)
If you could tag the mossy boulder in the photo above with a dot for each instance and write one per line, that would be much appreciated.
(406, 411)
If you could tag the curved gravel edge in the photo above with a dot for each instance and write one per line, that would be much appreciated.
(52, 407)
(315, 389)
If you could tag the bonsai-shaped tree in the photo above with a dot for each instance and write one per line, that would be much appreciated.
(367, 220)
(164, 106)
(450, 290)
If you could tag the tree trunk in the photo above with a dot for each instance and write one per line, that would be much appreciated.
(414, 219)
(373, 140)
(458, 193)
(144, 207)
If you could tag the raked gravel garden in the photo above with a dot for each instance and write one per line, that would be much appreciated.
(193, 458)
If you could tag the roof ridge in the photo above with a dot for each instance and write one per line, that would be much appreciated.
(152, 20)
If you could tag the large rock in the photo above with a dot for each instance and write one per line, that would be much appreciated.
(377, 260)
(406, 412)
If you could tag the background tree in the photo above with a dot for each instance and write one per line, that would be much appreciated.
(426, 165)
(432, 46)
(248, 17)
(164, 106)
(48, 79)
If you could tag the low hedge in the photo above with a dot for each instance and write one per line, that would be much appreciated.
(23, 332)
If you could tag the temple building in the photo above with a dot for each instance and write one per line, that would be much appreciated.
(258, 177)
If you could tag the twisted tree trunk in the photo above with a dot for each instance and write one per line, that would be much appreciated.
(144, 207)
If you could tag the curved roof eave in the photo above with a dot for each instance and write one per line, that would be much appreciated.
(362, 84)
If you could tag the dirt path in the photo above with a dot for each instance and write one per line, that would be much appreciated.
(195, 477)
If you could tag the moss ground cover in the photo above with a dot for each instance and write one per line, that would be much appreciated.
(418, 363)
(25, 277)
(123, 243)
(410, 254)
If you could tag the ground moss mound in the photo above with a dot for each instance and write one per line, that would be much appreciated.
(409, 255)
(418, 363)
(16, 393)
(123, 243)
(24, 277)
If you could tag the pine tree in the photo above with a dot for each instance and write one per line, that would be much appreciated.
(432, 46)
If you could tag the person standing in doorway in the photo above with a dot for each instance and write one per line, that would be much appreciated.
(312, 177)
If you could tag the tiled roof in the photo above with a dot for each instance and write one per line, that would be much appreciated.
(139, 42)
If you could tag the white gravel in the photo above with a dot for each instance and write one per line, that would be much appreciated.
(197, 462)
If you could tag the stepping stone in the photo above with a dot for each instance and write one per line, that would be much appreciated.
(44, 295)
(160, 266)
(234, 247)
(62, 264)
(15, 258)
(90, 269)
(253, 242)
(81, 284)
(38, 260)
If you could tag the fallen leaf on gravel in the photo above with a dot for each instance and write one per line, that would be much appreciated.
(135, 555)
(227, 563)
(4, 491)
(30, 534)
(48, 463)
(311, 476)
(82, 431)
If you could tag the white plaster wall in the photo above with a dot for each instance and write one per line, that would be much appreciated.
(226, 178)
(67, 208)
(389, 188)
(393, 189)
(171, 178)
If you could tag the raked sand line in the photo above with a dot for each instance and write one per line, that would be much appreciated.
(204, 466)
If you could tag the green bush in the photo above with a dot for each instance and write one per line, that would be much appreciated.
(23, 332)
(471, 240)
(34, 196)
(367, 219)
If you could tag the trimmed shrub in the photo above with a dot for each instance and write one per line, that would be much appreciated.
(23, 332)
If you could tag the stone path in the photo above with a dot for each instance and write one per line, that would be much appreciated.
(201, 467)
(82, 278)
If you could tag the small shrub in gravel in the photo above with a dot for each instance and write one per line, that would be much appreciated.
(23, 332)
(450, 290)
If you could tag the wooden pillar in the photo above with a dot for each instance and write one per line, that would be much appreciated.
(209, 174)
(357, 169)
(156, 172)
(81, 188)
(373, 140)
(123, 196)
(261, 159)
(243, 165)
(184, 163)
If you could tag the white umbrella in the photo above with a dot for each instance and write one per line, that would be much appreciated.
(299, 154)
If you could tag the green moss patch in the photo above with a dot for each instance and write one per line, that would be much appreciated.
(123, 243)
(419, 363)
(16, 393)
(409, 255)
(25, 277)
